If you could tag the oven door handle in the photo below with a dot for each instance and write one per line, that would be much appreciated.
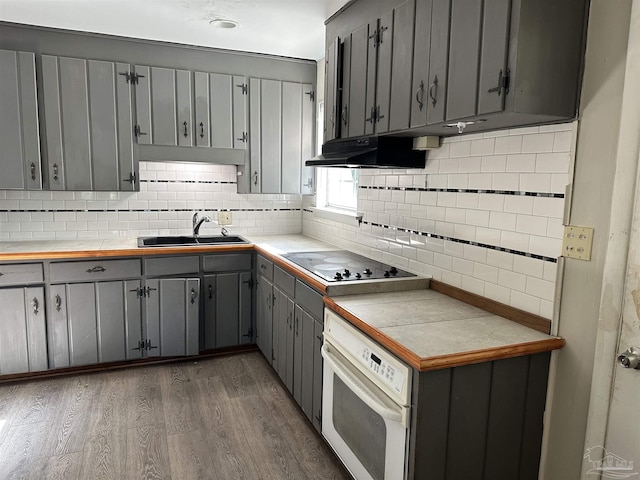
(366, 394)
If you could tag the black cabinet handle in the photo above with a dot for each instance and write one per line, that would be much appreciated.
(194, 295)
(345, 118)
(201, 130)
(243, 138)
(420, 95)
(55, 172)
(433, 90)
(378, 116)
(36, 305)
(255, 182)
(372, 118)
(58, 302)
(98, 269)
(185, 133)
(210, 292)
(33, 171)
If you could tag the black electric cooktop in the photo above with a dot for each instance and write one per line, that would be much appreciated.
(341, 265)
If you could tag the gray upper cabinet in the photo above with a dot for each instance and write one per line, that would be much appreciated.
(202, 102)
(156, 106)
(88, 119)
(443, 66)
(240, 112)
(19, 130)
(331, 95)
(221, 95)
(183, 101)
(281, 136)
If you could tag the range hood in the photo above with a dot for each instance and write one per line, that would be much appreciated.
(369, 152)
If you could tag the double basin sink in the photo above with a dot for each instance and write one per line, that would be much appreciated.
(186, 240)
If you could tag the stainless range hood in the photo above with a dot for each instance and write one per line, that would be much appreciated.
(369, 152)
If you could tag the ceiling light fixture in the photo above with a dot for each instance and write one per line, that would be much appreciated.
(223, 23)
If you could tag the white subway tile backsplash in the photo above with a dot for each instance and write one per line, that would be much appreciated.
(508, 145)
(503, 221)
(552, 162)
(548, 207)
(512, 280)
(531, 224)
(460, 149)
(528, 266)
(494, 163)
(523, 162)
(506, 181)
(484, 146)
(535, 182)
(538, 143)
(525, 302)
(497, 293)
(514, 241)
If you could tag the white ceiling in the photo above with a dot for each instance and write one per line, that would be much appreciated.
(292, 28)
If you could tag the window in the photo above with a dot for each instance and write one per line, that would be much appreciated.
(337, 187)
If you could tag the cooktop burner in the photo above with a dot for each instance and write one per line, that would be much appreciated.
(341, 265)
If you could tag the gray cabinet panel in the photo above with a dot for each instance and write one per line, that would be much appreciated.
(264, 267)
(143, 106)
(74, 98)
(133, 319)
(210, 297)
(183, 101)
(282, 324)
(15, 273)
(383, 81)
(307, 331)
(111, 321)
(240, 132)
(201, 98)
(36, 329)
(82, 324)
(94, 270)
(291, 137)
(346, 82)
(438, 61)
(226, 262)
(284, 281)
(309, 299)
(221, 110)
(255, 136)
(271, 126)
(421, 53)
(372, 67)
(53, 121)
(14, 353)
(308, 144)
(298, 373)
(128, 165)
(464, 58)
(171, 265)
(401, 63)
(264, 317)
(331, 98)
(227, 308)
(287, 350)
(357, 106)
(104, 135)
(244, 311)
(317, 375)
(493, 55)
(19, 132)
(163, 106)
(57, 329)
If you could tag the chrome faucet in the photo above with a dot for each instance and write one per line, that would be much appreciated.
(197, 223)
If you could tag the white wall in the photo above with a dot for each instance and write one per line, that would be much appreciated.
(169, 194)
(485, 214)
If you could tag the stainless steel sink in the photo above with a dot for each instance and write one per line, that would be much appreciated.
(186, 240)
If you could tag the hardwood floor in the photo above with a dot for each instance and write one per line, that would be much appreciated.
(222, 418)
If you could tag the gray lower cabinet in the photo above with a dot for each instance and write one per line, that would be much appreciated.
(23, 341)
(89, 128)
(19, 129)
(264, 306)
(227, 300)
(94, 322)
(170, 324)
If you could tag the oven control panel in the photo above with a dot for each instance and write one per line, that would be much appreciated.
(382, 367)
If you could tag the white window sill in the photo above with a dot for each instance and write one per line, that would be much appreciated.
(340, 216)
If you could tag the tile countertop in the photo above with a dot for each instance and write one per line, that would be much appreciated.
(430, 330)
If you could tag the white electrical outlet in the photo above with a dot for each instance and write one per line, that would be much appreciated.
(224, 218)
(577, 241)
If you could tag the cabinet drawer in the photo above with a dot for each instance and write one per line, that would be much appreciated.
(171, 266)
(265, 267)
(284, 281)
(94, 270)
(232, 262)
(17, 273)
(310, 300)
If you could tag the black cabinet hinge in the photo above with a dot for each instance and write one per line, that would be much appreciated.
(133, 178)
(131, 77)
(503, 83)
(249, 334)
(137, 131)
(244, 87)
(312, 95)
(249, 282)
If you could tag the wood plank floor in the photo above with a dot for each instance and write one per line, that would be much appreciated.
(222, 418)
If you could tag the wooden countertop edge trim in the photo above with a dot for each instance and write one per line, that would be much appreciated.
(446, 361)
(125, 252)
(527, 319)
(292, 269)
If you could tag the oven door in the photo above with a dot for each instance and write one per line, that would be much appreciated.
(361, 423)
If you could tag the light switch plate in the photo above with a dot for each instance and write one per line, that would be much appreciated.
(224, 218)
(577, 242)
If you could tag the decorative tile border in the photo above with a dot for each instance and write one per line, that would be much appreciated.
(465, 190)
(118, 210)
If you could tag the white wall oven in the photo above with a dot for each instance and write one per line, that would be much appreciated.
(365, 403)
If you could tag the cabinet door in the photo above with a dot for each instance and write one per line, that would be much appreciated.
(82, 323)
(438, 61)
(128, 164)
(19, 131)
(401, 63)
(343, 109)
(52, 121)
(493, 56)
(383, 80)
(144, 133)
(317, 376)
(244, 310)
(201, 98)
(283, 336)
(271, 126)
(221, 96)
(210, 301)
(308, 145)
(163, 106)
(264, 318)
(421, 54)
(183, 101)
(57, 328)
(227, 309)
(357, 106)
(372, 67)
(464, 58)
(118, 320)
(331, 97)
(291, 137)
(171, 323)
(307, 331)
(255, 135)
(23, 343)
(240, 131)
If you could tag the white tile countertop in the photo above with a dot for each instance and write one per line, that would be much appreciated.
(430, 330)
